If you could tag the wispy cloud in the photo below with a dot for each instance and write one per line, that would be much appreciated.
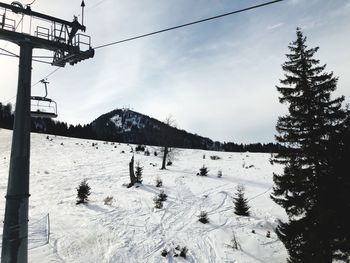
(275, 26)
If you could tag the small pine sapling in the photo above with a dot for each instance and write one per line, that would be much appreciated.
(183, 252)
(203, 217)
(140, 148)
(83, 192)
(268, 234)
(203, 171)
(220, 173)
(164, 252)
(157, 202)
(241, 203)
(138, 173)
(162, 196)
(159, 182)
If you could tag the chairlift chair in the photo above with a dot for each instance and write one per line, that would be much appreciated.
(43, 107)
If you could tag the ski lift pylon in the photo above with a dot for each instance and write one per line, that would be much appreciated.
(43, 107)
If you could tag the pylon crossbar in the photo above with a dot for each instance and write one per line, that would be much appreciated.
(37, 42)
(29, 12)
(61, 37)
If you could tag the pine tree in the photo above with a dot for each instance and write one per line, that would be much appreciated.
(203, 217)
(138, 173)
(241, 203)
(158, 203)
(302, 188)
(203, 171)
(162, 196)
(159, 182)
(339, 151)
(83, 192)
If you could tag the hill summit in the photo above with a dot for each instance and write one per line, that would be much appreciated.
(129, 126)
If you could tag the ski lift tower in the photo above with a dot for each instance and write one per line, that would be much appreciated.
(68, 46)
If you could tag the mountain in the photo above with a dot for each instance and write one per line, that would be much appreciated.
(124, 125)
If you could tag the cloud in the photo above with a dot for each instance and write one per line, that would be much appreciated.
(216, 78)
(296, 2)
(275, 26)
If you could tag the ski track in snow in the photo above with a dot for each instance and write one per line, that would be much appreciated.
(132, 230)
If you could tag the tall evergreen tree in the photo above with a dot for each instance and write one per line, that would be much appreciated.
(241, 203)
(138, 173)
(302, 189)
(339, 152)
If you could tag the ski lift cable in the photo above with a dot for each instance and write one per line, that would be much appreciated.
(16, 56)
(31, 3)
(163, 30)
(48, 75)
(51, 57)
(8, 100)
(188, 24)
(36, 83)
(11, 54)
(41, 61)
(176, 27)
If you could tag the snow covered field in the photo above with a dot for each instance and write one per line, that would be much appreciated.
(132, 230)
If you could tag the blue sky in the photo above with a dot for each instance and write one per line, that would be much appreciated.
(217, 79)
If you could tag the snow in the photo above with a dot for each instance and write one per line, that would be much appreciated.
(131, 229)
(130, 120)
(117, 120)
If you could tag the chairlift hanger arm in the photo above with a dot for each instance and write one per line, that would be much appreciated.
(29, 12)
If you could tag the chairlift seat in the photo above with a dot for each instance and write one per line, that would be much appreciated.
(44, 107)
(43, 114)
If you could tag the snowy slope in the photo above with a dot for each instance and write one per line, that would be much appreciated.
(132, 230)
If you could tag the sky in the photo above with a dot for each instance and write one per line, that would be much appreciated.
(216, 79)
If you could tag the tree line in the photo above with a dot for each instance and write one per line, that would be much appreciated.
(169, 135)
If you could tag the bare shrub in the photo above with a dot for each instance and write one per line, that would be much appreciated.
(215, 157)
(203, 217)
(108, 200)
